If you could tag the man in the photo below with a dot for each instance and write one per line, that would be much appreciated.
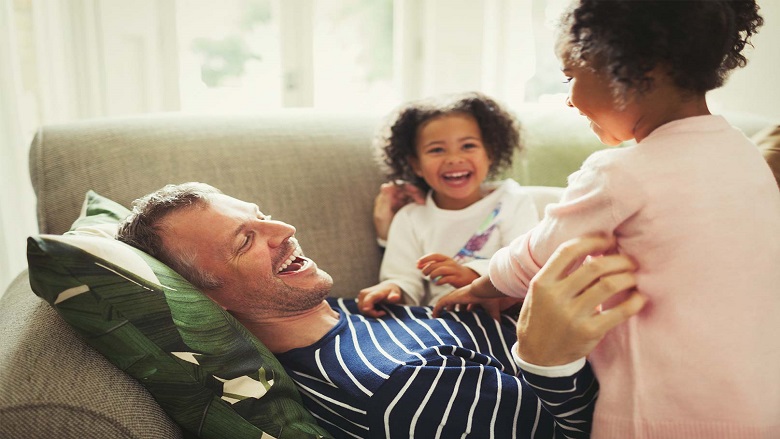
(402, 375)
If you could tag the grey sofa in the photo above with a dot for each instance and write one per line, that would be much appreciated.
(310, 169)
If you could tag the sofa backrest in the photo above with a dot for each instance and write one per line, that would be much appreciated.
(312, 169)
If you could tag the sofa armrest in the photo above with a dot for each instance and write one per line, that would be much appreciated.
(53, 385)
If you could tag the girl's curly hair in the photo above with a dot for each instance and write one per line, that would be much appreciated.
(395, 142)
(698, 42)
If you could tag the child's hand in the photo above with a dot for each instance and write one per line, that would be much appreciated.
(393, 196)
(444, 270)
(480, 292)
(494, 307)
(465, 296)
(383, 292)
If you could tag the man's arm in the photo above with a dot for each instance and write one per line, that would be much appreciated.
(456, 396)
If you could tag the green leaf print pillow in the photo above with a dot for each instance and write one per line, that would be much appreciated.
(212, 376)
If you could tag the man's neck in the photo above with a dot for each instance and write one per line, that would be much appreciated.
(281, 334)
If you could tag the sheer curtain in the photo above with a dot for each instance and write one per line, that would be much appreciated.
(17, 212)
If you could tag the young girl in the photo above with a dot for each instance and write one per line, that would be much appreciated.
(447, 147)
(693, 203)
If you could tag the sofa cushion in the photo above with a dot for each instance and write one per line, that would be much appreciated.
(768, 141)
(210, 374)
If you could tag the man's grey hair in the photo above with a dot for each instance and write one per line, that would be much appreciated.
(143, 228)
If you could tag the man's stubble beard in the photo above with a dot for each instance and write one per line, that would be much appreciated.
(299, 299)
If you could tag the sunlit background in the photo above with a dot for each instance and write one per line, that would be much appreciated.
(66, 60)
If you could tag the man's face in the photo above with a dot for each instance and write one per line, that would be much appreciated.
(258, 260)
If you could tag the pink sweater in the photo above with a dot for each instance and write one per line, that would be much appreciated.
(698, 208)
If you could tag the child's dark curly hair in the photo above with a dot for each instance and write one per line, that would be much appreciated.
(395, 142)
(698, 41)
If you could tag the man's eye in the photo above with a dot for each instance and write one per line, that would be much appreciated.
(247, 242)
(567, 80)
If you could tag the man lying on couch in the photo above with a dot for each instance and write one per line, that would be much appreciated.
(400, 375)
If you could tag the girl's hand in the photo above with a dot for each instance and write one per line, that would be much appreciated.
(482, 293)
(393, 196)
(383, 292)
(444, 270)
(561, 319)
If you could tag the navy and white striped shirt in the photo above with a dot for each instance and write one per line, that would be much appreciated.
(408, 375)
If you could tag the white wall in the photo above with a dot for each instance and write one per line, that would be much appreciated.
(475, 44)
(754, 88)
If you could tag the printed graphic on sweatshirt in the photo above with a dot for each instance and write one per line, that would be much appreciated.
(479, 238)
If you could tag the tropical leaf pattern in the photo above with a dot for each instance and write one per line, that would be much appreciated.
(210, 374)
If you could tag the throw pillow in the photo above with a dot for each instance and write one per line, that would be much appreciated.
(212, 376)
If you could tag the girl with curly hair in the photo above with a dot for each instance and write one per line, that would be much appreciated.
(445, 147)
(692, 202)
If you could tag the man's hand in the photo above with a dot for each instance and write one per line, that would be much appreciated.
(392, 197)
(383, 292)
(444, 270)
(480, 292)
(561, 319)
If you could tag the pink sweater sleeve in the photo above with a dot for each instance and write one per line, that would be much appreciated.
(599, 197)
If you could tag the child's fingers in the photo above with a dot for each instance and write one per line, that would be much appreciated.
(415, 193)
(438, 308)
(446, 303)
(493, 308)
(431, 258)
(369, 298)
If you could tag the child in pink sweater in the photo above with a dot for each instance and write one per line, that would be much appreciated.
(692, 202)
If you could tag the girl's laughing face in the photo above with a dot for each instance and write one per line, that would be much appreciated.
(452, 159)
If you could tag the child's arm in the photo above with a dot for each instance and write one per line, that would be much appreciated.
(480, 292)
(383, 292)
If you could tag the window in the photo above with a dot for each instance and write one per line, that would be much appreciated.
(248, 55)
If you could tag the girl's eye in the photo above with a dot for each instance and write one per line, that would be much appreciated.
(434, 150)
(469, 145)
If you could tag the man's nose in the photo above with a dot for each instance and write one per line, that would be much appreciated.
(277, 231)
(568, 101)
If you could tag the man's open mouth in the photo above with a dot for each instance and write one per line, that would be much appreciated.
(294, 263)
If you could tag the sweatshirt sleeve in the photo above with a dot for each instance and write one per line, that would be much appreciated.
(521, 215)
(399, 263)
(599, 197)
